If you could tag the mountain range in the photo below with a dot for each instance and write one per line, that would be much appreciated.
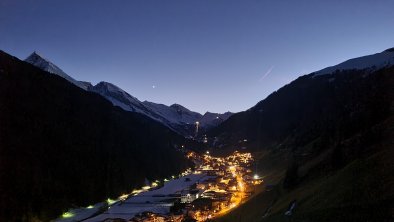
(176, 117)
(323, 141)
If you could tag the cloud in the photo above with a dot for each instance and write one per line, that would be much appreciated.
(266, 73)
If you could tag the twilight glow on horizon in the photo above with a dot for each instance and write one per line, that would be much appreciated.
(206, 55)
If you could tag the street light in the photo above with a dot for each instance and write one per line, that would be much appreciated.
(197, 125)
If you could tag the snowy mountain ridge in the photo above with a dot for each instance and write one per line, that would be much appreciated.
(372, 62)
(180, 118)
(119, 97)
(176, 117)
(175, 113)
(44, 64)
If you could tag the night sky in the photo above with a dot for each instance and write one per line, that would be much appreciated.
(216, 55)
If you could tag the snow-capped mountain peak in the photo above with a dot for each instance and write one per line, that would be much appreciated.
(369, 62)
(44, 64)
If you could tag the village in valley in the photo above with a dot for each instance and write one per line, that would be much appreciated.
(224, 183)
(215, 187)
(230, 182)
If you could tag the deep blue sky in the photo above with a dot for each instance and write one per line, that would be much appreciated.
(215, 55)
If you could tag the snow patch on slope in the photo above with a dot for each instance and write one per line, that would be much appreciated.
(119, 97)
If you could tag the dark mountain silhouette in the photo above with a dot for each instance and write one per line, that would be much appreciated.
(342, 103)
(62, 146)
(325, 140)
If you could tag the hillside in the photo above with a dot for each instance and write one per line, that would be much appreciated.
(325, 142)
(69, 147)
